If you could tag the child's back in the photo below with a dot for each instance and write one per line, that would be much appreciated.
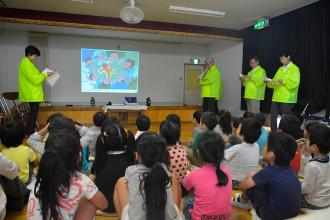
(211, 184)
(111, 159)
(22, 156)
(283, 189)
(210, 199)
(242, 159)
(133, 177)
(12, 136)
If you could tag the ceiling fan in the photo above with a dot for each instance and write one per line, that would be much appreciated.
(131, 14)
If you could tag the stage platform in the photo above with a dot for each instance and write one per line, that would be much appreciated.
(84, 113)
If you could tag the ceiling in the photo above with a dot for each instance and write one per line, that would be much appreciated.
(239, 13)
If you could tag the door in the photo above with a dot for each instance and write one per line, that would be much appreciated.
(192, 89)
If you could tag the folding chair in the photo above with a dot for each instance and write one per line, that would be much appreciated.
(20, 111)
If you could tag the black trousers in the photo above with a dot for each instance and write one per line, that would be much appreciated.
(277, 109)
(210, 105)
(31, 124)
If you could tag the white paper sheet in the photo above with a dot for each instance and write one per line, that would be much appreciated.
(52, 79)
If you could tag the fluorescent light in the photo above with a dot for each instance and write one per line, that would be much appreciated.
(196, 11)
(83, 1)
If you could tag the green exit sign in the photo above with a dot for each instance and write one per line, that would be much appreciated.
(261, 23)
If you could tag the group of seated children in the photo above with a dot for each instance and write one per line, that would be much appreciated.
(144, 177)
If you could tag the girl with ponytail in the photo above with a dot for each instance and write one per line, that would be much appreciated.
(211, 184)
(113, 156)
(148, 192)
(60, 187)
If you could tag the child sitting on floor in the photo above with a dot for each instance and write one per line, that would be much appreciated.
(61, 191)
(316, 186)
(208, 122)
(12, 136)
(275, 192)
(148, 191)
(290, 124)
(111, 159)
(142, 124)
(94, 131)
(210, 184)
(243, 158)
(197, 129)
(178, 157)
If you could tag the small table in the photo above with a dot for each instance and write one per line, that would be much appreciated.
(124, 110)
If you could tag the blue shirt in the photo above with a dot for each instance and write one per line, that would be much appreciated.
(262, 139)
(283, 189)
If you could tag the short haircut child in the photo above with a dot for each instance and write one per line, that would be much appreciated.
(12, 134)
(170, 131)
(320, 136)
(142, 123)
(225, 122)
(251, 130)
(248, 115)
(210, 119)
(260, 119)
(99, 118)
(174, 118)
(290, 124)
(31, 50)
(197, 116)
(283, 146)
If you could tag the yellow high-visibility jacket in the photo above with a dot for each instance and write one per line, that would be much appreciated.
(288, 91)
(211, 86)
(30, 82)
(255, 88)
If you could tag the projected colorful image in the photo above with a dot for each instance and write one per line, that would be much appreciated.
(112, 71)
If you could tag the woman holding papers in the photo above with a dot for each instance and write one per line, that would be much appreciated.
(211, 87)
(254, 85)
(285, 84)
(30, 85)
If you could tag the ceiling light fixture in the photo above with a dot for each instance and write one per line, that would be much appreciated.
(196, 11)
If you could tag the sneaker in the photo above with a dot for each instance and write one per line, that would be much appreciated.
(241, 203)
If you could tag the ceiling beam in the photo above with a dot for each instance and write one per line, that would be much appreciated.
(110, 23)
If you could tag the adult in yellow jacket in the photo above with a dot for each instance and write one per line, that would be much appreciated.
(30, 85)
(211, 87)
(254, 86)
(285, 85)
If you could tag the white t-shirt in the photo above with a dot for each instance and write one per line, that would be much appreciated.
(316, 185)
(81, 187)
(242, 159)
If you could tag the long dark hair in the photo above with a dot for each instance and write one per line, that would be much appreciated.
(211, 150)
(153, 152)
(57, 166)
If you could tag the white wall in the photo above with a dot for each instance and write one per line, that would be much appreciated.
(228, 56)
(161, 66)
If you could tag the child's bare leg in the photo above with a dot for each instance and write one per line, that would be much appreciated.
(86, 210)
(120, 196)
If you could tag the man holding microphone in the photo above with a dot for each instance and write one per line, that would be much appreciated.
(285, 84)
(211, 86)
(30, 85)
(254, 86)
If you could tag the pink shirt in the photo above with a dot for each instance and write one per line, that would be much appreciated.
(210, 200)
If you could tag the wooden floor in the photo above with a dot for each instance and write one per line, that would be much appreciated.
(186, 135)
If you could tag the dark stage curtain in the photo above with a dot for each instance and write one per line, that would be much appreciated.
(305, 34)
